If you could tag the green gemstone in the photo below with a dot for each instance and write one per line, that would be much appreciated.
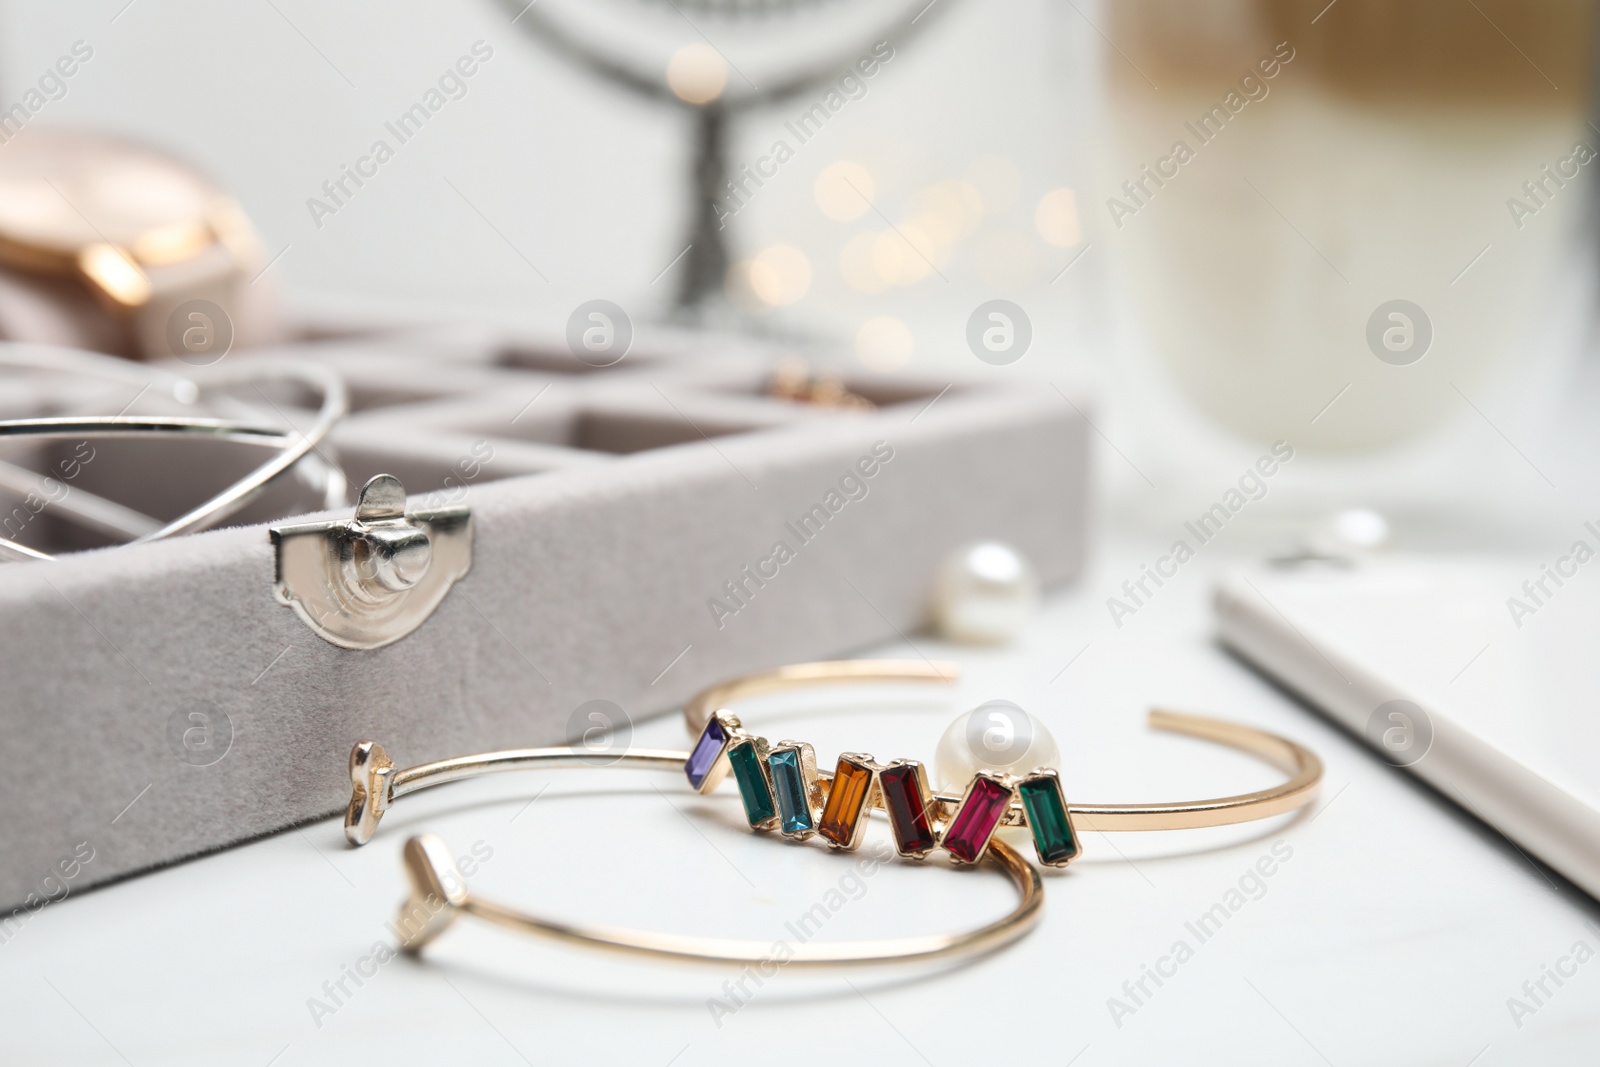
(1047, 818)
(748, 771)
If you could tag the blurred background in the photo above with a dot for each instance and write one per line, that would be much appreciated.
(1338, 157)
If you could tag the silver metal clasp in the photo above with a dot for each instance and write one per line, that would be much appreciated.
(368, 582)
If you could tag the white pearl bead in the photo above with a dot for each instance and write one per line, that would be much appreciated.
(985, 594)
(995, 736)
(1355, 529)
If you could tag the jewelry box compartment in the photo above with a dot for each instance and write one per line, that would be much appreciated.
(163, 701)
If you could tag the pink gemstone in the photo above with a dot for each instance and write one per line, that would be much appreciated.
(974, 823)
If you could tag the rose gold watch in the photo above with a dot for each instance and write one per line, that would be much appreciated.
(113, 246)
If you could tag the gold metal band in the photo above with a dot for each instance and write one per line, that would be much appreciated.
(439, 893)
(1299, 762)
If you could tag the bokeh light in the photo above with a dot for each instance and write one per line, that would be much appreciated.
(697, 73)
(997, 182)
(844, 190)
(1057, 218)
(780, 275)
(884, 344)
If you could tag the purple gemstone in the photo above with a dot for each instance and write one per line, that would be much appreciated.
(705, 753)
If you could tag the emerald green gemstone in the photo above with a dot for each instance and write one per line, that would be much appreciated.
(748, 771)
(1047, 818)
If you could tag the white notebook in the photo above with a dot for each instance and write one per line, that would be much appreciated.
(1480, 675)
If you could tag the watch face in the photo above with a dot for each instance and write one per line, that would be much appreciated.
(61, 192)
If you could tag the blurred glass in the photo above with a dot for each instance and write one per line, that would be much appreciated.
(1379, 162)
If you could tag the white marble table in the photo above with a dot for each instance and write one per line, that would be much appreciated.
(1393, 929)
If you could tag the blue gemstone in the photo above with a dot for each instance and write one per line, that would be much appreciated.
(706, 751)
(793, 804)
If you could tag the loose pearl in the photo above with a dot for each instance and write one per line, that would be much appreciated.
(1358, 529)
(985, 594)
(996, 736)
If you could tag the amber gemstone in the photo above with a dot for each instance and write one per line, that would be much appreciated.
(844, 816)
(905, 795)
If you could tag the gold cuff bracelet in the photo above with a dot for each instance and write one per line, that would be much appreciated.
(783, 790)
(439, 893)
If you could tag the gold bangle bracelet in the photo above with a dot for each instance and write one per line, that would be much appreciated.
(916, 812)
(439, 893)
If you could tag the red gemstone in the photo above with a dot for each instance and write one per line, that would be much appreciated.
(905, 795)
(976, 819)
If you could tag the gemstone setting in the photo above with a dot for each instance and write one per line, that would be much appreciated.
(977, 817)
(706, 765)
(747, 756)
(910, 804)
(782, 790)
(850, 797)
(1049, 818)
(792, 766)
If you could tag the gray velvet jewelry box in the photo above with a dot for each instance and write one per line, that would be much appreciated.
(637, 533)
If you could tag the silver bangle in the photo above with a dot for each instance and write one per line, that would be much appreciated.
(292, 446)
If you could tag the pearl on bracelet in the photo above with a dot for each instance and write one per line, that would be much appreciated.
(985, 594)
(995, 736)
